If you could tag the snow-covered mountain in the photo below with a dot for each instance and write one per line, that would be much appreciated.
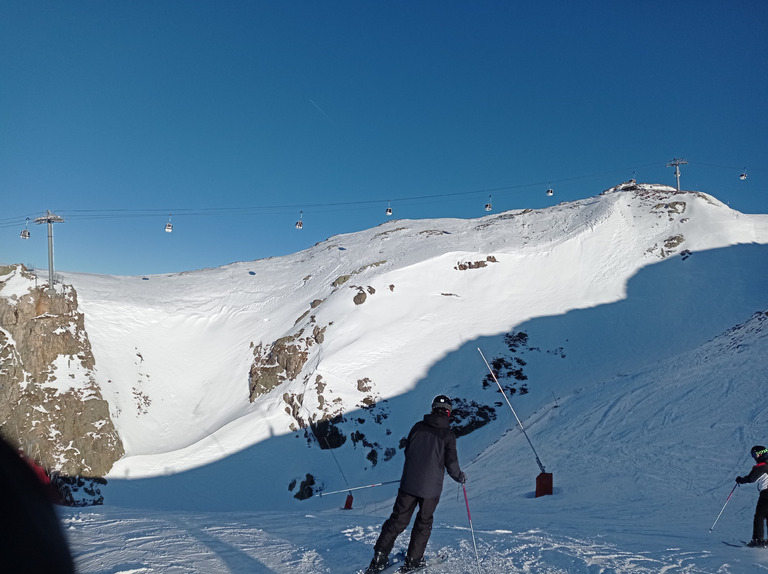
(629, 330)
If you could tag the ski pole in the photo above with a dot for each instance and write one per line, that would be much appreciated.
(541, 466)
(358, 487)
(471, 529)
(721, 511)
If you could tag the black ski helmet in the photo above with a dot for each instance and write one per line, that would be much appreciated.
(759, 452)
(442, 403)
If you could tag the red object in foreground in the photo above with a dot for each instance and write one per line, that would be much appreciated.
(348, 503)
(45, 480)
(544, 484)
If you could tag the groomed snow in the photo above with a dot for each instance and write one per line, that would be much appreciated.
(641, 402)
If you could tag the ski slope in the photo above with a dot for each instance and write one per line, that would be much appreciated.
(645, 360)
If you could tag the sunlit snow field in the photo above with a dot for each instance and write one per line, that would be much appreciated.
(645, 358)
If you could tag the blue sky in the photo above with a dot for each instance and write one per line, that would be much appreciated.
(234, 117)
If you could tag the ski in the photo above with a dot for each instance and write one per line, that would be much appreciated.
(397, 561)
(744, 544)
(430, 562)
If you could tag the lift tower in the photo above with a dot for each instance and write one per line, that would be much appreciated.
(676, 163)
(50, 219)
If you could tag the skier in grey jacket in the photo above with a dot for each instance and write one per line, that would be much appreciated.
(758, 474)
(430, 450)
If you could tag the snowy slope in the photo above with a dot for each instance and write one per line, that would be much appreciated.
(625, 299)
(628, 498)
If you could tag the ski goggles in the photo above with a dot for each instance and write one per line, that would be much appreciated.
(758, 453)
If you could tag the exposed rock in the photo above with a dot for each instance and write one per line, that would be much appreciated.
(463, 266)
(275, 364)
(281, 361)
(341, 279)
(294, 403)
(364, 385)
(302, 317)
(668, 248)
(318, 334)
(385, 233)
(306, 488)
(327, 432)
(468, 416)
(360, 298)
(50, 404)
(672, 242)
(671, 208)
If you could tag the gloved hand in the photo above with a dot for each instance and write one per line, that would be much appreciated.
(462, 478)
(740, 479)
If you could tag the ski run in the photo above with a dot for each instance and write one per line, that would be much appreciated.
(637, 318)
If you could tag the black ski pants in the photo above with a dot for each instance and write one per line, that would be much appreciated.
(761, 516)
(398, 521)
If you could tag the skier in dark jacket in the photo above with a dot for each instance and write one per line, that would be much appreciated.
(430, 450)
(758, 474)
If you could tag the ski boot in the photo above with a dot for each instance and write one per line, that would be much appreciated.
(379, 562)
(411, 565)
(757, 543)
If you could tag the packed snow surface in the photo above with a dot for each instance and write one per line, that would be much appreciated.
(638, 319)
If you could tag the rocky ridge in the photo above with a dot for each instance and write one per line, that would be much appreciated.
(50, 405)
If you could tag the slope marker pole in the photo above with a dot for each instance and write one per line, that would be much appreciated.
(541, 466)
(544, 479)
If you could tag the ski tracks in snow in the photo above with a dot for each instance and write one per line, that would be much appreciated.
(538, 552)
(121, 541)
(181, 543)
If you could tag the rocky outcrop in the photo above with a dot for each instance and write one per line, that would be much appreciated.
(341, 279)
(281, 361)
(50, 404)
(464, 265)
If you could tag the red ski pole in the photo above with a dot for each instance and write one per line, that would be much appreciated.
(721, 511)
(471, 529)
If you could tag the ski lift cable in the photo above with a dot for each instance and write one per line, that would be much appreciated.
(17, 218)
(720, 166)
(208, 210)
(119, 213)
